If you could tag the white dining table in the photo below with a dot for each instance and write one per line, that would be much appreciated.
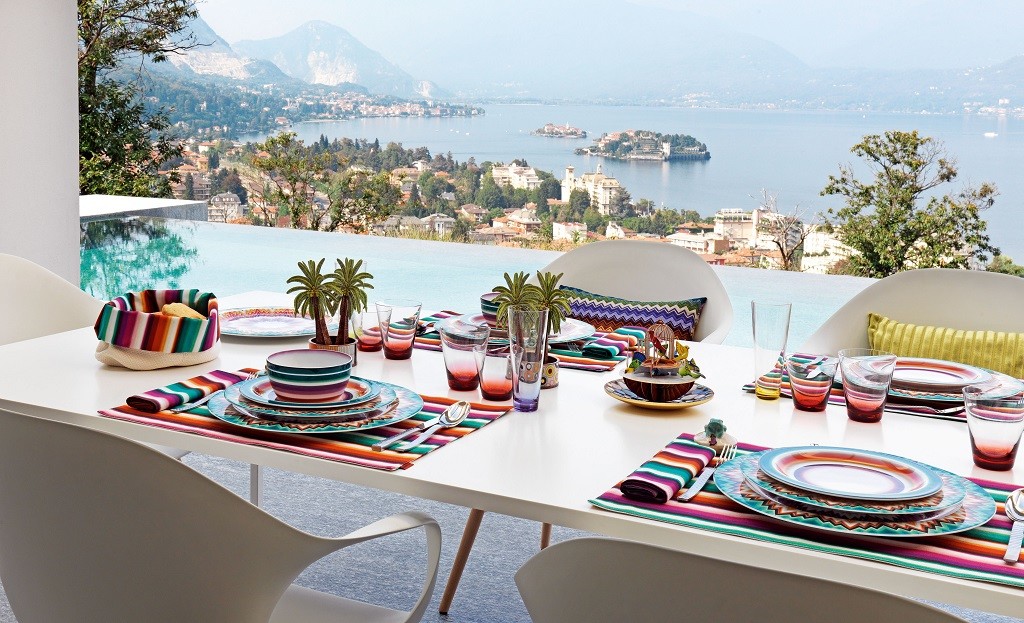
(543, 465)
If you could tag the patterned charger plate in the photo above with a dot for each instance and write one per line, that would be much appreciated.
(1003, 386)
(949, 497)
(268, 322)
(978, 507)
(385, 398)
(850, 473)
(935, 375)
(698, 395)
(408, 404)
(357, 391)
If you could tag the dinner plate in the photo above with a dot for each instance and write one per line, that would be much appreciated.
(936, 375)
(409, 404)
(358, 390)
(384, 399)
(268, 322)
(946, 499)
(999, 386)
(977, 508)
(698, 395)
(850, 473)
(571, 330)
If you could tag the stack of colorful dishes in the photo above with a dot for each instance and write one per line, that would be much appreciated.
(854, 492)
(941, 383)
(364, 404)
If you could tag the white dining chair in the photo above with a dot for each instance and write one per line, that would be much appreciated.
(649, 271)
(97, 528)
(37, 302)
(638, 271)
(942, 297)
(600, 580)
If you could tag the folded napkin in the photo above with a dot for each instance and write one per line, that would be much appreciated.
(659, 480)
(614, 344)
(176, 394)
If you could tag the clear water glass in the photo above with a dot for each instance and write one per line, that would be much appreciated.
(866, 374)
(496, 373)
(398, 320)
(463, 349)
(771, 330)
(527, 332)
(810, 382)
(995, 424)
(366, 331)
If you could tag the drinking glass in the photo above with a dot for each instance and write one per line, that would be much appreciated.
(398, 319)
(995, 425)
(771, 330)
(528, 336)
(811, 382)
(496, 373)
(366, 331)
(866, 375)
(464, 349)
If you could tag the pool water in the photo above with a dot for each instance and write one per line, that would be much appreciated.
(125, 255)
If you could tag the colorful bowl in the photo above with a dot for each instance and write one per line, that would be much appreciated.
(658, 388)
(309, 375)
(489, 308)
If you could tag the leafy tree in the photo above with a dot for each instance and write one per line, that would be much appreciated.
(894, 222)
(787, 232)
(579, 201)
(294, 173)
(359, 201)
(190, 187)
(593, 219)
(490, 196)
(116, 131)
(620, 204)
(460, 230)
(1005, 265)
(214, 160)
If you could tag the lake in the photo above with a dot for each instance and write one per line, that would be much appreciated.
(789, 153)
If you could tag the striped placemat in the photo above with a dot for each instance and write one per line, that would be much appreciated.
(973, 555)
(353, 447)
(571, 359)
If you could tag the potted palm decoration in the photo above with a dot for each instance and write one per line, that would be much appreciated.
(320, 296)
(545, 295)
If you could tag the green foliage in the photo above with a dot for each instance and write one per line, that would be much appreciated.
(894, 223)
(460, 230)
(579, 201)
(315, 296)
(516, 292)
(551, 298)
(1005, 265)
(295, 172)
(349, 283)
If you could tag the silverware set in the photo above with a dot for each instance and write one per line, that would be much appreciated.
(451, 417)
(727, 453)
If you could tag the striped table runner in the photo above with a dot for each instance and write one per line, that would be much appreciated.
(353, 447)
(973, 555)
(568, 359)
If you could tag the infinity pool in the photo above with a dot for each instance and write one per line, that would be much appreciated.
(123, 255)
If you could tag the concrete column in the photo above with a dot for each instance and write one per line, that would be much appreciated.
(39, 133)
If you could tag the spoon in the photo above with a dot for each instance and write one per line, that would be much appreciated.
(1014, 507)
(409, 432)
(452, 417)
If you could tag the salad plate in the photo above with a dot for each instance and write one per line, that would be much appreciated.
(977, 508)
(698, 395)
(408, 403)
(936, 375)
(850, 473)
(268, 322)
(358, 390)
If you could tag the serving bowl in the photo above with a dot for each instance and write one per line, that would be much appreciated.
(658, 388)
(309, 375)
(489, 308)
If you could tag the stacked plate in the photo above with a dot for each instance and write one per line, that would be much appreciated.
(365, 404)
(854, 492)
(942, 382)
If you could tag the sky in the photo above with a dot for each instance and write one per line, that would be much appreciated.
(865, 33)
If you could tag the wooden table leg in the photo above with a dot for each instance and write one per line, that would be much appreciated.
(545, 535)
(461, 556)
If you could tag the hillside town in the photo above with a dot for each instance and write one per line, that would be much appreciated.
(730, 237)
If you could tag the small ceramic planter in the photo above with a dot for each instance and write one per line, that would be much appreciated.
(349, 348)
(549, 376)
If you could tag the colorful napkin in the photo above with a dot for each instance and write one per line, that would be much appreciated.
(659, 480)
(614, 344)
(972, 555)
(193, 389)
(351, 447)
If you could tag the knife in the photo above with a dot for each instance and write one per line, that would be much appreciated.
(381, 445)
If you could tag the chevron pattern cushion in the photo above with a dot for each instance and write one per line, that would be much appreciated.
(608, 313)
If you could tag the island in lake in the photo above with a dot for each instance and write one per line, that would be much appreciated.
(647, 145)
(560, 131)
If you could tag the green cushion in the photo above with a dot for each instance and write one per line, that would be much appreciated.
(994, 350)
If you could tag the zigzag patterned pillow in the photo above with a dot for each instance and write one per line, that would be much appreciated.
(608, 313)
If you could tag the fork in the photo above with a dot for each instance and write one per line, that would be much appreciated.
(206, 398)
(728, 452)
